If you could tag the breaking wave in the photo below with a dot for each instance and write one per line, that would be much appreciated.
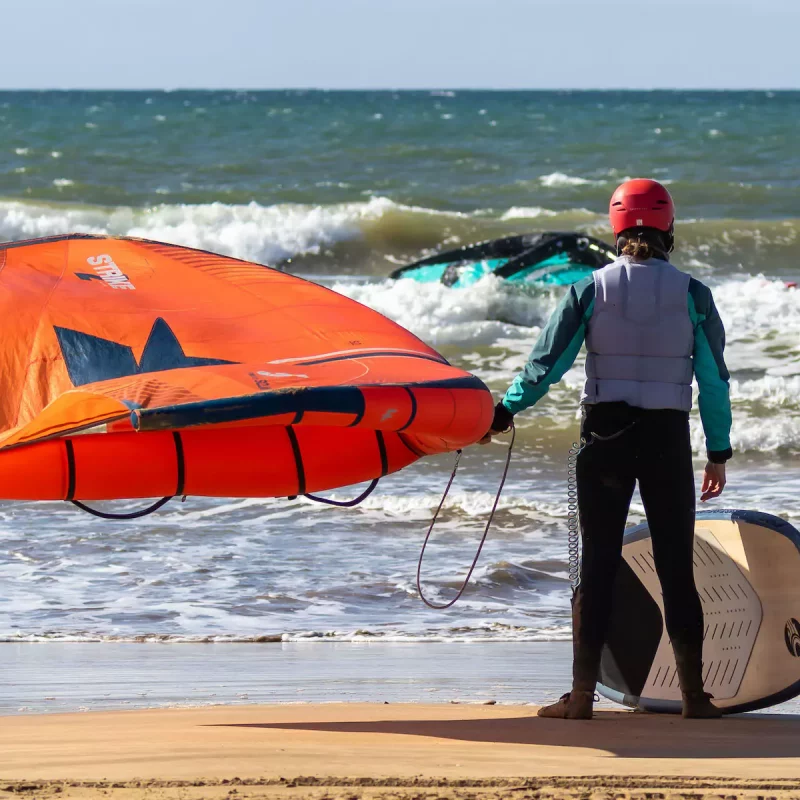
(373, 236)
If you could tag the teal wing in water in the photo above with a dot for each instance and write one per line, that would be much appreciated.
(555, 259)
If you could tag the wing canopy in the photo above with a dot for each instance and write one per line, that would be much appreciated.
(123, 333)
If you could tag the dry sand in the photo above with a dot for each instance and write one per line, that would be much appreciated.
(349, 751)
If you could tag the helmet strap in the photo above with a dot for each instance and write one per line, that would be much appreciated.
(669, 237)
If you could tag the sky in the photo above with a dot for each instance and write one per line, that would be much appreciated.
(400, 44)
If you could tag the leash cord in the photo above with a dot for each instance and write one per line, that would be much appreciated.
(95, 512)
(573, 522)
(437, 606)
(345, 503)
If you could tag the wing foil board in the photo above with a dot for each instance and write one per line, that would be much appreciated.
(746, 567)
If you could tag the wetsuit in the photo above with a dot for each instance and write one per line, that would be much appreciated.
(648, 329)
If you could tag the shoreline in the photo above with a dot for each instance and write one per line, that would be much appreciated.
(45, 678)
(62, 678)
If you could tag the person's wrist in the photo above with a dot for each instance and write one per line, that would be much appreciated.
(719, 456)
(502, 418)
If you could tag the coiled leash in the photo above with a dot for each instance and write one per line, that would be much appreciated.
(425, 600)
(573, 520)
(573, 523)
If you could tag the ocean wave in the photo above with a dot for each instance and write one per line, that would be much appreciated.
(772, 435)
(775, 434)
(479, 314)
(471, 504)
(524, 575)
(558, 179)
(490, 632)
(528, 212)
(770, 392)
(371, 236)
(408, 506)
(264, 234)
(753, 306)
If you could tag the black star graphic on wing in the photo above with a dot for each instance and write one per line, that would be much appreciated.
(90, 358)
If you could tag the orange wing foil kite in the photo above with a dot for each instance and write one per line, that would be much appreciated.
(132, 369)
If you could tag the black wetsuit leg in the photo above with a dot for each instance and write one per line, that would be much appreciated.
(606, 479)
(666, 483)
(657, 452)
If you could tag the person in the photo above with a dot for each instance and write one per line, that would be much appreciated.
(648, 328)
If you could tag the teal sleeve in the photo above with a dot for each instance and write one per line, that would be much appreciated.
(556, 349)
(713, 378)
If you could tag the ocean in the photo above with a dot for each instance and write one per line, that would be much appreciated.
(342, 187)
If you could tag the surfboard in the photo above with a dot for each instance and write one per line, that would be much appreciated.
(747, 571)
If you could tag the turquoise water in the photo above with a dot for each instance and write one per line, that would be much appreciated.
(729, 154)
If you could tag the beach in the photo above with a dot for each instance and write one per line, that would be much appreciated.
(240, 647)
(443, 720)
(398, 750)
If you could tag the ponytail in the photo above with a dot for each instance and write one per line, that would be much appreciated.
(638, 249)
(645, 243)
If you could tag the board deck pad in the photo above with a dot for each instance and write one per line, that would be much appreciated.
(746, 569)
(731, 610)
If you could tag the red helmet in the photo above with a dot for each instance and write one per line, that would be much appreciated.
(641, 203)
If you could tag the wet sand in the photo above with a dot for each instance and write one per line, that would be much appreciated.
(395, 750)
(59, 677)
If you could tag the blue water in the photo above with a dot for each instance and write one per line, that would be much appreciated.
(726, 152)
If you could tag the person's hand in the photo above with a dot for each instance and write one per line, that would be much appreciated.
(501, 422)
(488, 437)
(713, 481)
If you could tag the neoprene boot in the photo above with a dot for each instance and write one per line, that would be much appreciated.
(698, 705)
(573, 705)
(696, 701)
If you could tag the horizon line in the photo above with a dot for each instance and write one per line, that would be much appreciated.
(394, 89)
